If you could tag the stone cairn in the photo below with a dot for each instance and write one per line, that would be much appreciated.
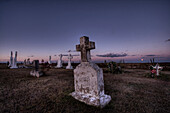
(88, 78)
(14, 61)
(69, 62)
(36, 71)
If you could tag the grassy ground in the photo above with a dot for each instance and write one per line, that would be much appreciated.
(131, 92)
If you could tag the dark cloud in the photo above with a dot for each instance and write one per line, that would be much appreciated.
(150, 55)
(113, 55)
(71, 51)
(136, 55)
(167, 40)
(67, 55)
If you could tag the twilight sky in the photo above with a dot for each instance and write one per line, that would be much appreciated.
(122, 29)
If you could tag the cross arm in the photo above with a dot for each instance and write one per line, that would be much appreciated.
(91, 45)
(78, 48)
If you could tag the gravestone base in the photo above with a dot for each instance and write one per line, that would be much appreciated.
(89, 85)
(14, 67)
(59, 65)
(69, 67)
(36, 73)
(98, 101)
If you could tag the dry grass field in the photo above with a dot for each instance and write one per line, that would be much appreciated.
(131, 92)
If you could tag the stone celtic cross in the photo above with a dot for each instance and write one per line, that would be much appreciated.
(85, 46)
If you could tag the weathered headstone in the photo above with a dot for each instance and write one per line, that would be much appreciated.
(11, 60)
(60, 62)
(69, 62)
(88, 78)
(36, 71)
(157, 67)
(14, 64)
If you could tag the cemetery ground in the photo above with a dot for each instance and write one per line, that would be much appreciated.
(133, 91)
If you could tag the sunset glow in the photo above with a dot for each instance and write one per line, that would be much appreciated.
(129, 30)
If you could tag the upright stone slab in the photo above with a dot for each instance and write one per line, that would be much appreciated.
(49, 61)
(14, 64)
(11, 60)
(88, 78)
(36, 71)
(60, 62)
(69, 62)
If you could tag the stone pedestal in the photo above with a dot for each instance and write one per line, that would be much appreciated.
(69, 66)
(36, 73)
(14, 67)
(89, 85)
(59, 64)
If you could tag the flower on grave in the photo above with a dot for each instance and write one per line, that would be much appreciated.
(153, 71)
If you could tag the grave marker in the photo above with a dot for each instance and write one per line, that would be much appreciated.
(157, 67)
(11, 60)
(60, 62)
(36, 71)
(69, 62)
(14, 64)
(88, 77)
